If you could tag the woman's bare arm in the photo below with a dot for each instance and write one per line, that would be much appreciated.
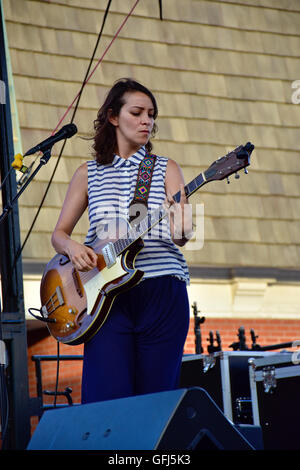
(181, 222)
(75, 203)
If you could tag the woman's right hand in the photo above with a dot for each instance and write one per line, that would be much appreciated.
(81, 256)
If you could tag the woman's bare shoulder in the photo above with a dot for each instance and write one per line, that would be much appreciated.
(173, 168)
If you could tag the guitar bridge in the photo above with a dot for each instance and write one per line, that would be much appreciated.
(109, 254)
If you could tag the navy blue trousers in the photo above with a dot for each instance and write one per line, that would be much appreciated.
(139, 348)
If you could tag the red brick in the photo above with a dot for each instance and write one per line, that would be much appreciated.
(269, 331)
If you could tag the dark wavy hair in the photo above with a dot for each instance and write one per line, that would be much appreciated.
(105, 141)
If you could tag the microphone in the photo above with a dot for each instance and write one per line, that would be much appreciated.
(65, 132)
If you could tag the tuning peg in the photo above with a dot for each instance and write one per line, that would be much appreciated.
(236, 176)
(228, 182)
(249, 147)
(242, 154)
(246, 171)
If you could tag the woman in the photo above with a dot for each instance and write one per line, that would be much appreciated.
(139, 348)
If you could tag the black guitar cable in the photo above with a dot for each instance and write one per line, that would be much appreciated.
(57, 374)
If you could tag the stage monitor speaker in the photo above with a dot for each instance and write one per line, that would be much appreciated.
(172, 420)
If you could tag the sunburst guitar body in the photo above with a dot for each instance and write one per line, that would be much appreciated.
(80, 302)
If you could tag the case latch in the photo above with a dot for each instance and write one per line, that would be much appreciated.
(208, 362)
(269, 379)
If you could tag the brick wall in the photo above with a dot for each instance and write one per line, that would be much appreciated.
(69, 371)
(268, 331)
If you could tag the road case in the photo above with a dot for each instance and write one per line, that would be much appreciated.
(225, 376)
(275, 397)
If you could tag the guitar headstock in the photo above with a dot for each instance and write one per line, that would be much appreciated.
(231, 163)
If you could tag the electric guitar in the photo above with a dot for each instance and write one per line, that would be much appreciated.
(75, 304)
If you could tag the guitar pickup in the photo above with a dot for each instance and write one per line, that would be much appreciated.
(76, 280)
(109, 254)
(59, 295)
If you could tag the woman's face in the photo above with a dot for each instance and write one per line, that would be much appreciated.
(134, 122)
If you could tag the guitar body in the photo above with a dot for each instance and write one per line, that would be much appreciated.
(77, 303)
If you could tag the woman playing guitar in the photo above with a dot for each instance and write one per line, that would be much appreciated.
(139, 347)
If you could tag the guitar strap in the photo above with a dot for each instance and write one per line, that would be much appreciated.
(143, 184)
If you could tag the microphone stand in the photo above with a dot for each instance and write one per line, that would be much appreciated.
(241, 344)
(3, 389)
(43, 160)
(197, 330)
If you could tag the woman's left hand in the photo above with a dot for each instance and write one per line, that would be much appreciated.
(180, 215)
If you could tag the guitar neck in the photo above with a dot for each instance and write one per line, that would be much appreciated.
(192, 187)
(154, 217)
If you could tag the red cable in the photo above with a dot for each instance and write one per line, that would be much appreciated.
(98, 63)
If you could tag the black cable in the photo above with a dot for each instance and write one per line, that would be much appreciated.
(72, 119)
(57, 375)
(40, 317)
(160, 9)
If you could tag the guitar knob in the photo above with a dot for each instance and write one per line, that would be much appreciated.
(228, 182)
(236, 176)
(246, 171)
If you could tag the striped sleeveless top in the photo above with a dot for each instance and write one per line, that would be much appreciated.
(111, 188)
